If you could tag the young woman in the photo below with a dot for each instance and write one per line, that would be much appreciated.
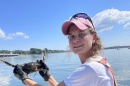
(83, 41)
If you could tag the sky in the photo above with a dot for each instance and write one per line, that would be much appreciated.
(26, 24)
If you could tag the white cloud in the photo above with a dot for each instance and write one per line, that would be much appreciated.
(2, 33)
(19, 34)
(107, 19)
(127, 25)
(12, 35)
(26, 37)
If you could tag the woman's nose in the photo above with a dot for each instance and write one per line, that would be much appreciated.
(76, 39)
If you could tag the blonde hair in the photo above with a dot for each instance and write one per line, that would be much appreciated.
(96, 46)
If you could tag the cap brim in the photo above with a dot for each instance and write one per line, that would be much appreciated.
(65, 26)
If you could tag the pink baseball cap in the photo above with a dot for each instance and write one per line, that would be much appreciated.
(81, 20)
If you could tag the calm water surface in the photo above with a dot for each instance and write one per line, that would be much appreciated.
(61, 66)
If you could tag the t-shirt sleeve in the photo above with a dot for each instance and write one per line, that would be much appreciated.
(82, 76)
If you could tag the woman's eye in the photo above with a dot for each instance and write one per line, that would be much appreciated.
(71, 37)
(82, 35)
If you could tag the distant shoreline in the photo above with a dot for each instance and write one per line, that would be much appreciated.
(117, 47)
(8, 55)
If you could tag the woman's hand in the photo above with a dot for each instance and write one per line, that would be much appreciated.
(19, 73)
(44, 71)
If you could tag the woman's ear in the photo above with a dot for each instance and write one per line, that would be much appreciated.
(94, 37)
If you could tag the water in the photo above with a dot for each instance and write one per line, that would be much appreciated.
(61, 66)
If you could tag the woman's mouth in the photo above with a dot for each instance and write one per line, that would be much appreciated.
(78, 46)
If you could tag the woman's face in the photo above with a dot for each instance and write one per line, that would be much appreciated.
(80, 41)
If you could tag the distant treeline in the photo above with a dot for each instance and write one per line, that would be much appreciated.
(118, 47)
(31, 51)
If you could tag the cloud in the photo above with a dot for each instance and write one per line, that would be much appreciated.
(106, 20)
(127, 25)
(2, 33)
(12, 35)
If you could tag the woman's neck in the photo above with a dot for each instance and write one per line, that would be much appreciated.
(84, 57)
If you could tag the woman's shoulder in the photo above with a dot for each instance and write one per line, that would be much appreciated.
(96, 67)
